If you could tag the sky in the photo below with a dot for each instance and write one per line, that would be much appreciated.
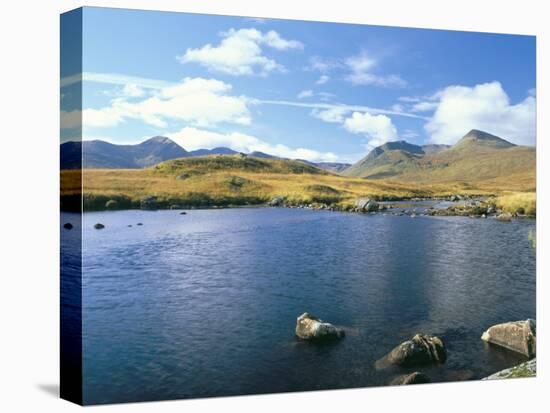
(308, 90)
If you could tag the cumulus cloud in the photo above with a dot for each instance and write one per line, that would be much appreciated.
(378, 129)
(331, 115)
(305, 94)
(197, 101)
(192, 138)
(240, 52)
(361, 67)
(486, 107)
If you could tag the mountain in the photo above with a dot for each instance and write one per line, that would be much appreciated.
(101, 154)
(104, 155)
(258, 154)
(336, 167)
(216, 151)
(386, 160)
(434, 148)
(477, 156)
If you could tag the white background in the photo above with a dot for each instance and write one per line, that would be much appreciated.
(29, 144)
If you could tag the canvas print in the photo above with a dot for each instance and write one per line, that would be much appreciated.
(255, 205)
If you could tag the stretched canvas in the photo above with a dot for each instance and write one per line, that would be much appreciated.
(255, 205)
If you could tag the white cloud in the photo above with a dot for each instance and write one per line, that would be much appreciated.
(132, 90)
(305, 94)
(331, 115)
(486, 107)
(192, 138)
(361, 67)
(322, 80)
(378, 129)
(398, 108)
(240, 52)
(197, 101)
(323, 64)
(339, 107)
(424, 106)
(114, 79)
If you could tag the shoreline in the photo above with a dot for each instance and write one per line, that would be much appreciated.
(472, 207)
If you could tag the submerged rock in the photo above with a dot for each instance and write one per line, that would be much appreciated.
(527, 369)
(413, 378)
(519, 336)
(421, 349)
(68, 225)
(366, 205)
(99, 226)
(309, 327)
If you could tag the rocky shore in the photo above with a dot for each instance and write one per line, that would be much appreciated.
(424, 350)
(460, 206)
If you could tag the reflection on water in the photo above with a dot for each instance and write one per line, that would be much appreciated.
(205, 304)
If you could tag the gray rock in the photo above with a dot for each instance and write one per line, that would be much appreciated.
(309, 327)
(421, 349)
(504, 217)
(277, 201)
(413, 378)
(367, 205)
(518, 336)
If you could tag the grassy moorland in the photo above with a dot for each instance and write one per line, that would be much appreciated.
(245, 180)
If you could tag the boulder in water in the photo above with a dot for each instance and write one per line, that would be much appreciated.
(277, 201)
(367, 205)
(413, 378)
(504, 217)
(518, 336)
(421, 349)
(99, 226)
(309, 327)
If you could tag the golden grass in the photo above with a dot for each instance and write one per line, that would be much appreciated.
(232, 180)
(523, 203)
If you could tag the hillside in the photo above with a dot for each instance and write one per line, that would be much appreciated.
(477, 158)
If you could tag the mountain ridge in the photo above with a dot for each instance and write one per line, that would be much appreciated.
(478, 155)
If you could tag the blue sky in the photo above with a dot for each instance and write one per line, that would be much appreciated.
(319, 91)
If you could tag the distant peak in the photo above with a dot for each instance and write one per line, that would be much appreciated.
(160, 139)
(476, 135)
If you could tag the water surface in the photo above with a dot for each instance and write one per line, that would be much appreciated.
(205, 304)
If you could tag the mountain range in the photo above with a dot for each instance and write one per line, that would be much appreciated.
(477, 156)
(104, 155)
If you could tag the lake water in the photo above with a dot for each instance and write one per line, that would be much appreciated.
(205, 304)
